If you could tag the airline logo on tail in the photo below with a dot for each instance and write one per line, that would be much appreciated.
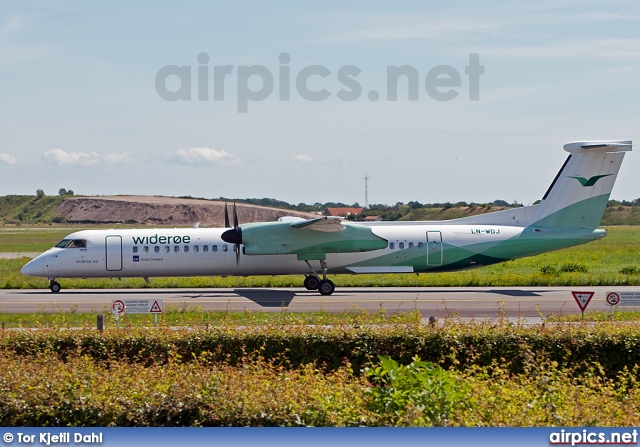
(589, 182)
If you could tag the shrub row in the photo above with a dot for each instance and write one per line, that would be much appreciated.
(614, 346)
(45, 391)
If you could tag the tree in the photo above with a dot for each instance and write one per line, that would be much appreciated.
(40, 193)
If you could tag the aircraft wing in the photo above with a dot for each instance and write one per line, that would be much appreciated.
(328, 224)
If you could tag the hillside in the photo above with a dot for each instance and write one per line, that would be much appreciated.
(133, 210)
(30, 209)
(446, 213)
(621, 215)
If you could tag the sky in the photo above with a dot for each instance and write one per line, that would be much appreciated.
(299, 101)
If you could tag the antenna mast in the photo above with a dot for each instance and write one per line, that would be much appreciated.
(366, 190)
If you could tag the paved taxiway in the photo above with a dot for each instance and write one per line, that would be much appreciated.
(490, 302)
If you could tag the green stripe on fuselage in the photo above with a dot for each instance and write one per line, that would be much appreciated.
(573, 225)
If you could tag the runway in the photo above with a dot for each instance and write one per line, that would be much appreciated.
(531, 303)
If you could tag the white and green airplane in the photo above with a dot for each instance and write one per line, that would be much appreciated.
(569, 214)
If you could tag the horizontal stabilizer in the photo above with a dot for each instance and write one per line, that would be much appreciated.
(576, 147)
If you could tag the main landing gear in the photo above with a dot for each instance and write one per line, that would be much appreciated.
(313, 282)
(54, 285)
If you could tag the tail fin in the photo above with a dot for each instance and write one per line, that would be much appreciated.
(580, 192)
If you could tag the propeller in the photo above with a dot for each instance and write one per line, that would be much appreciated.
(233, 235)
(238, 232)
(226, 216)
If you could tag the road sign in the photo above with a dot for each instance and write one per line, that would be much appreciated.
(117, 306)
(582, 298)
(623, 298)
(156, 307)
(613, 299)
(137, 306)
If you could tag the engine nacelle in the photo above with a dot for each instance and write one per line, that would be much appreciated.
(308, 242)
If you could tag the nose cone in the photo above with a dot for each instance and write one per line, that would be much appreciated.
(33, 268)
(232, 236)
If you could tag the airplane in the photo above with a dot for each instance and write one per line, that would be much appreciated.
(569, 214)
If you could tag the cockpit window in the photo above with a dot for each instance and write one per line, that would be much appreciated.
(72, 243)
(78, 243)
(63, 243)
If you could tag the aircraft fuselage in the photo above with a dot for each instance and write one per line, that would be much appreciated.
(412, 248)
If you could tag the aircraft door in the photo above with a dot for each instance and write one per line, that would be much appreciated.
(113, 250)
(434, 248)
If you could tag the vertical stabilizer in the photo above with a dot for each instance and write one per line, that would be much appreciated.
(580, 192)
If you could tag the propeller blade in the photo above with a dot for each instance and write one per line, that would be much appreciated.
(236, 227)
(226, 216)
(235, 216)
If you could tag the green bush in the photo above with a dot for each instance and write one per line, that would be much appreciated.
(571, 267)
(549, 270)
(425, 391)
(630, 270)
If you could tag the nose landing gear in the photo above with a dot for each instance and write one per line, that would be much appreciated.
(54, 285)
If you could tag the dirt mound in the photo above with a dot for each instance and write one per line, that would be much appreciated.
(154, 210)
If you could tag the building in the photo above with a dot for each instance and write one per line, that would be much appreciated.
(343, 212)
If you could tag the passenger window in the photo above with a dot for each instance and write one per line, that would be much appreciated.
(225, 248)
(205, 248)
(167, 249)
(156, 249)
(145, 249)
(195, 249)
(176, 249)
(392, 245)
(401, 245)
(135, 249)
(186, 249)
(410, 244)
(214, 248)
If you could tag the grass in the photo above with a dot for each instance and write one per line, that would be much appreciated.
(32, 240)
(184, 316)
(598, 316)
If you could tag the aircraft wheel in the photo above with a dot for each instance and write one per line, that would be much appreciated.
(326, 287)
(311, 282)
(55, 287)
